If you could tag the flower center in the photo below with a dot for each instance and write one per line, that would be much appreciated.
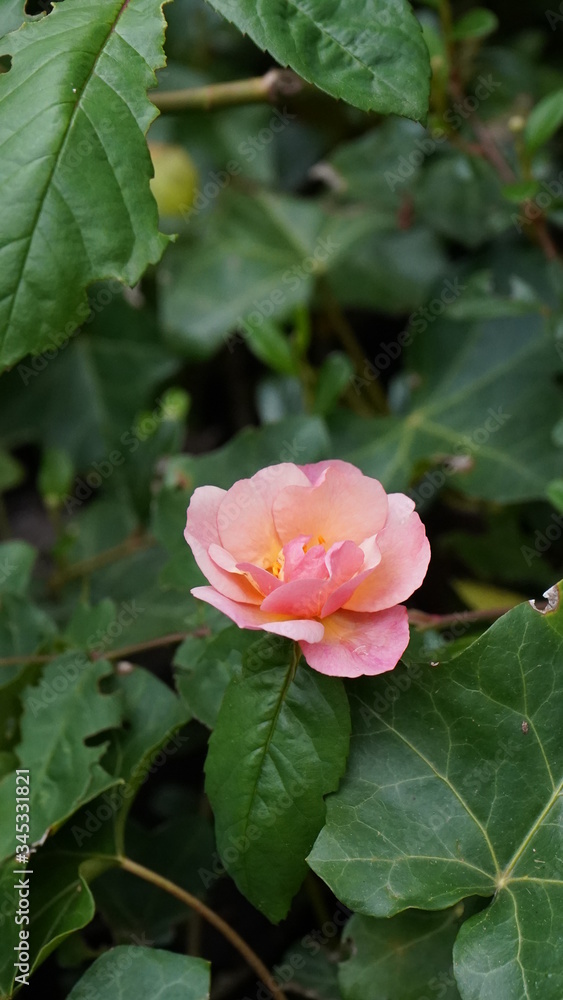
(309, 545)
(277, 568)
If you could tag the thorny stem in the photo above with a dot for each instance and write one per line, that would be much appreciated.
(213, 918)
(275, 84)
(112, 654)
(423, 620)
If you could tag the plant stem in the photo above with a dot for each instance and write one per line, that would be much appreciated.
(274, 84)
(135, 543)
(112, 654)
(340, 325)
(423, 620)
(213, 918)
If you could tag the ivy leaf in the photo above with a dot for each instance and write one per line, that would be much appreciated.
(371, 54)
(278, 747)
(87, 845)
(59, 714)
(81, 209)
(455, 790)
(256, 257)
(482, 411)
(142, 972)
(408, 956)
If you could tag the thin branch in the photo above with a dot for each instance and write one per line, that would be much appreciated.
(342, 328)
(135, 543)
(112, 654)
(275, 84)
(213, 918)
(423, 620)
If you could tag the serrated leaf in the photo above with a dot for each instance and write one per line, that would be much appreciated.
(371, 53)
(479, 417)
(138, 972)
(278, 747)
(544, 120)
(81, 209)
(454, 790)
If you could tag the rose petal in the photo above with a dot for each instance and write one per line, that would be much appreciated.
(314, 470)
(201, 533)
(343, 505)
(251, 617)
(405, 554)
(265, 582)
(245, 522)
(297, 563)
(299, 599)
(355, 644)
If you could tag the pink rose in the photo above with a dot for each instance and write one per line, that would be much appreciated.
(318, 553)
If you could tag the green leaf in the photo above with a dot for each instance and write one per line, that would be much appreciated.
(370, 54)
(296, 439)
(180, 848)
(333, 378)
(453, 790)
(257, 258)
(55, 476)
(62, 904)
(59, 714)
(12, 472)
(477, 23)
(88, 843)
(278, 747)
(78, 399)
(16, 563)
(555, 493)
(544, 120)
(405, 957)
(81, 210)
(460, 197)
(206, 666)
(390, 272)
(481, 413)
(267, 341)
(308, 968)
(138, 972)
